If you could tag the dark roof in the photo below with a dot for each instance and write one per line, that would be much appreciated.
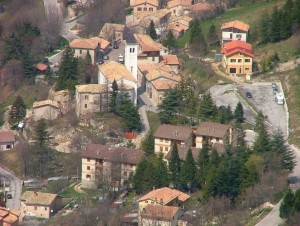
(212, 129)
(182, 151)
(173, 132)
(7, 136)
(130, 39)
(106, 152)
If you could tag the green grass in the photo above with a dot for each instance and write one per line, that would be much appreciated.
(153, 119)
(259, 215)
(12, 161)
(70, 193)
(129, 200)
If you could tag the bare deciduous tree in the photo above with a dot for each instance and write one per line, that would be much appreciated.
(13, 74)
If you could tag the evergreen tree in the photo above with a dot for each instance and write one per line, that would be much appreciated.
(197, 42)
(161, 172)
(286, 206)
(264, 28)
(13, 48)
(169, 107)
(207, 109)
(152, 31)
(41, 133)
(213, 36)
(18, 111)
(275, 26)
(148, 143)
(170, 41)
(278, 145)
(188, 171)
(259, 122)
(113, 97)
(68, 71)
(28, 66)
(239, 113)
(85, 69)
(139, 183)
(203, 164)
(174, 165)
(262, 142)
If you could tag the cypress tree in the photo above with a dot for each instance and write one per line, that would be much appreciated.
(113, 97)
(18, 111)
(188, 171)
(262, 143)
(213, 36)
(264, 28)
(174, 165)
(170, 41)
(169, 107)
(203, 163)
(148, 143)
(239, 113)
(275, 26)
(152, 31)
(207, 108)
(161, 172)
(286, 206)
(197, 42)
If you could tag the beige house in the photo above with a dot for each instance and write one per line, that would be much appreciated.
(91, 98)
(40, 205)
(144, 5)
(7, 140)
(9, 217)
(111, 71)
(46, 109)
(161, 206)
(237, 57)
(94, 46)
(166, 135)
(149, 51)
(112, 32)
(177, 7)
(179, 25)
(172, 61)
(107, 166)
(214, 134)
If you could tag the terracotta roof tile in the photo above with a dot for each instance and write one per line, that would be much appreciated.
(41, 67)
(164, 195)
(111, 26)
(146, 68)
(91, 88)
(32, 197)
(175, 3)
(148, 44)
(237, 46)
(172, 132)
(115, 71)
(7, 136)
(158, 212)
(92, 43)
(106, 152)
(44, 103)
(164, 84)
(158, 73)
(9, 216)
(201, 7)
(140, 2)
(185, 18)
(212, 129)
(236, 24)
(102, 42)
(170, 59)
(179, 27)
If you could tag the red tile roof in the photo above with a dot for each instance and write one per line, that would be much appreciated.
(237, 46)
(41, 67)
(170, 59)
(201, 7)
(236, 24)
(7, 136)
(175, 3)
(150, 2)
(106, 152)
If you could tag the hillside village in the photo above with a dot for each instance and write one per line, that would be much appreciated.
(149, 112)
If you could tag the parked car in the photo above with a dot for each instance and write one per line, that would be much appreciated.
(248, 95)
(29, 181)
(275, 90)
(9, 196)
(274, 85)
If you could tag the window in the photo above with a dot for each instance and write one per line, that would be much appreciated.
(125, 174)
(166, 149)
(174, 11)
(85, 106)
(145, 9)
(247, 60)
(151, 9)
(232, 60)
(133, 50)
(239, 36)
(88, 159)
(246, 69)
(46, 208)
(88, 168)
(240, 60)
(80, 51)
(86, 97)
(35, 207)
(88, 176)
(146, 202)
(8, 146)
(232, 70)
(139, 9)
(161, 140)
(131, 69)
(217, 139)
(161, 149)
(153, 58)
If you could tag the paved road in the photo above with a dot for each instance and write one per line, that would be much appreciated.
(15, 189)
(273, 219)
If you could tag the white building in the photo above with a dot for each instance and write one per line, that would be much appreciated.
(234, 30)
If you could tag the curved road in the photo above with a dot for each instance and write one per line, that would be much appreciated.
(15, 188)
(273, 219)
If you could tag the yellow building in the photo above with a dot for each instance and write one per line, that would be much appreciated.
(237, 57)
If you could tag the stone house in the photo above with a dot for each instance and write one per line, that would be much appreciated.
(166, 135)
(111, 71)
(172, 61)
(7, 140)
(112, 32)
(63, 99)
(94, 46)
(177, 7)
(104, 165)
(214, 134)
(46, 109)
(234, 30)
(9, 217)
(40, 205)
(91, 98)
(179, 25)
(144, 5)
(237, 57)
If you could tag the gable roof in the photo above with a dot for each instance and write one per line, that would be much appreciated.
(106, 152)
(111, 26)
(140, 2)
(180, 18)
(212, 129)
(42, 103)
(148, 44)
(172, 132)
(158, 73)
(115, 71)
(32, 197)
(237, 46)
(7, 136)
(200, 7)
(146, 68)
(91, 43)
(236, 24)
(164, 84)
(9, 216)
(102, 42)
(92, 88)
(160, 213)
(175, 3)
(41, 67)
(164, 195)
(170, 59)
